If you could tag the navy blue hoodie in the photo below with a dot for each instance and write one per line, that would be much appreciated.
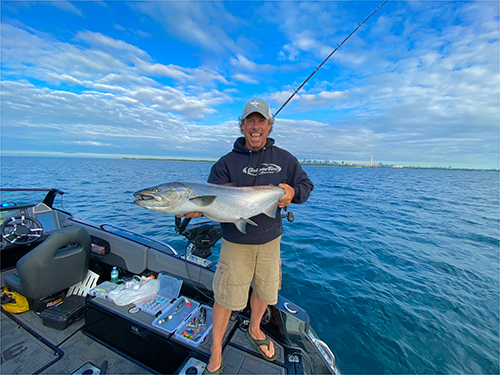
(270, 165)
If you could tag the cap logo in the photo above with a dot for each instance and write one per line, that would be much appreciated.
(255, 103)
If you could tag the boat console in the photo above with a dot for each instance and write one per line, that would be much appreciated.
(24, 226)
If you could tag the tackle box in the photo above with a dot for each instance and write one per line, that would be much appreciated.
(190, 331)
(62, 316)
(169, 291)
(102, 290)
(186, 308)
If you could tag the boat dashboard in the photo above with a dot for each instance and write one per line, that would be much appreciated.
(39, 219)
(22, 228)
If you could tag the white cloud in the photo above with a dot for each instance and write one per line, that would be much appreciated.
(89, 143)
(96, 68)
(105, 42)
(66, 6)
(242, 62)
(193, 22)
(245, 78)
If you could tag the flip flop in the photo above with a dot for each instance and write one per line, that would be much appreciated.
(216, 372)
(258, 343)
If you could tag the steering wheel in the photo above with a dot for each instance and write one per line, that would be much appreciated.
(21, 230)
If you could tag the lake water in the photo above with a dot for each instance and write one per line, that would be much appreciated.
(397, 268)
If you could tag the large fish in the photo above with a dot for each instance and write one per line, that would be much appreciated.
(220, 203)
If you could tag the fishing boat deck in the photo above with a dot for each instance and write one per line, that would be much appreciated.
(94, 345)
(117, 339)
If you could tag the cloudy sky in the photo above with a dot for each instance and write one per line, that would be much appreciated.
(417, 84)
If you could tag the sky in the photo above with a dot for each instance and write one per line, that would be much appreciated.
(416, 85)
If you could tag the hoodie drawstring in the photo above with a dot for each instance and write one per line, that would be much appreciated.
(260, 164)
(248, 166)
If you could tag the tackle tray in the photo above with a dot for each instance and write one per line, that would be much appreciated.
(177, 317)
(169, 290)
(192, 334)
(102, 290)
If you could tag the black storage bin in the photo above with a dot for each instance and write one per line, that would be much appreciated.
(65, 314)
(133, 335)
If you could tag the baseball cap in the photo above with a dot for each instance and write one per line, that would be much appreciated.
(259, 106)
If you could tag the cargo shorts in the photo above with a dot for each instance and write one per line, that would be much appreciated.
(239, 265)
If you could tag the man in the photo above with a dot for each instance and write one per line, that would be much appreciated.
(254, 256)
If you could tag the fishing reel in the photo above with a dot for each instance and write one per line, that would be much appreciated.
(203, 236)
(289, 216)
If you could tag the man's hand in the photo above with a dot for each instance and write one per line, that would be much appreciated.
(192, 215)
(287, 198)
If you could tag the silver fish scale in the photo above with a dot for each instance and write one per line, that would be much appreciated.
(224, 204)
(231, 203)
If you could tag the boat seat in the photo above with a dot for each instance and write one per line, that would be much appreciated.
(59, 262)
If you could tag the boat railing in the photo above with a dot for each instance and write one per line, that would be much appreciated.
(331, 362)
(103, 227)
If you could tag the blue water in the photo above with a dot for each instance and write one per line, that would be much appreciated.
(398, 269)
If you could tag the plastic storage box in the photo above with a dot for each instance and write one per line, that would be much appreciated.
(169, 290)
(190, 331)
(102, 290)
(170, 319)
(65, 314)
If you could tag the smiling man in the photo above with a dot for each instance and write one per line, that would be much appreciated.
(254, 257)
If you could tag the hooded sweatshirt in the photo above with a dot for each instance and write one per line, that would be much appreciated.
(270, 165)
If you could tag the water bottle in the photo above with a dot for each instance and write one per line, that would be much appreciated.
(114, 275)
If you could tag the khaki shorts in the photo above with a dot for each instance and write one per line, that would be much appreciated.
(239, 264)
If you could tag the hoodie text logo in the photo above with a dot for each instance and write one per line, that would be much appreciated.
(264, 169)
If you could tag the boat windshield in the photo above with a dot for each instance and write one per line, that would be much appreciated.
(28, 197)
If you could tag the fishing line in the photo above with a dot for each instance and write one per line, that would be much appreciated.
(189, 275)
(330, 55)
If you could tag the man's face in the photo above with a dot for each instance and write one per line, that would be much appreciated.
(255, 129)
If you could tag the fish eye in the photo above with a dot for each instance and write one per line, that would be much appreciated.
(155, 190)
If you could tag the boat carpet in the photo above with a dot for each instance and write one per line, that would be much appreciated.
(52, 335)
(80, 351)
(22, 352)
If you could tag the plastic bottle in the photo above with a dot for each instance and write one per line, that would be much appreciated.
(114, 275)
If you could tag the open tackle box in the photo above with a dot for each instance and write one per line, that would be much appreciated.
(193, 330)
(136, 332)
(181, 309)
(161, 301)
(190, 321)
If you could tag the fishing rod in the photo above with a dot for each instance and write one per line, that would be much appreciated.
(330, 55)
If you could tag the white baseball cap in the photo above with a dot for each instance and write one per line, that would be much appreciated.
(259, 106)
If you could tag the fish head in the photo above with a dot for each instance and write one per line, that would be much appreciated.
(166, 198)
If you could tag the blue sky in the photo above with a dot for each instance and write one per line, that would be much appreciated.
(418, 84)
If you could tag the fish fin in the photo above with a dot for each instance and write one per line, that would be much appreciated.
(248, 221)
(241, 225)
(271, 210)
(203, 200)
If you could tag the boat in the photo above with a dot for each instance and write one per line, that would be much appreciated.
(46, 250)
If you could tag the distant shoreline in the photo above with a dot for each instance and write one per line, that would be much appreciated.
(337, 165)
